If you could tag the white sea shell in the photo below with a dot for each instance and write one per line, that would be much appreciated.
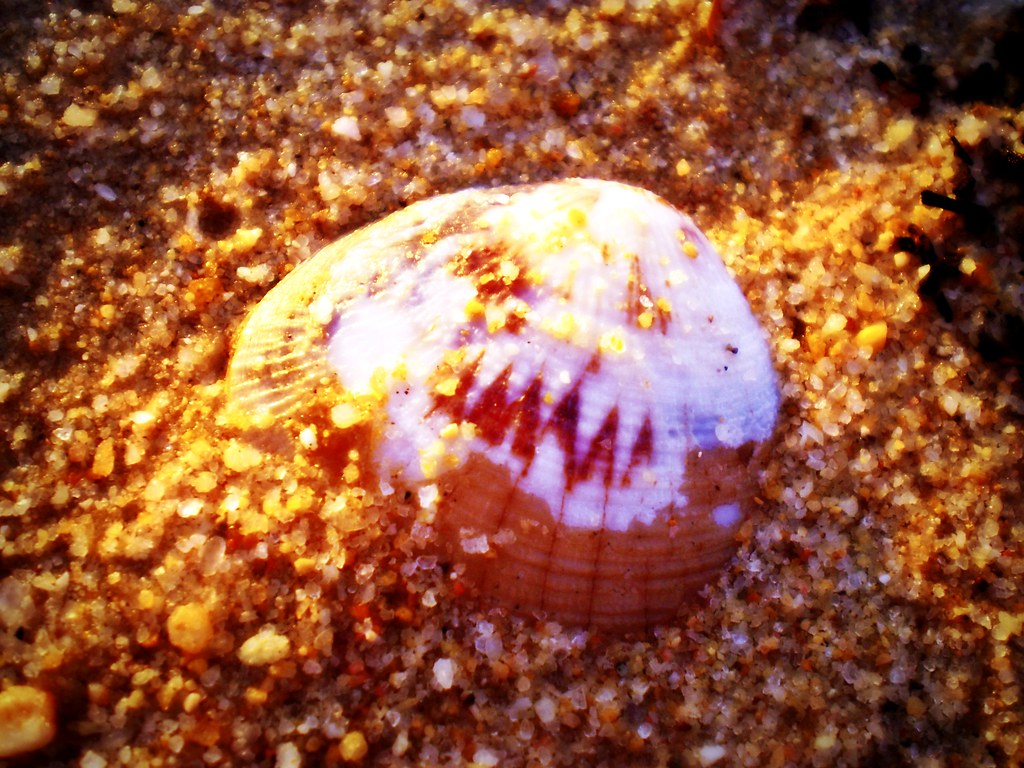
(570, 364)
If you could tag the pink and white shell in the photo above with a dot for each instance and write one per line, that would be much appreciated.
(569, 364)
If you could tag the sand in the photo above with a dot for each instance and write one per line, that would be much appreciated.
(173, 592)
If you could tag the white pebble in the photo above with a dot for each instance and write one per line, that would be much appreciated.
(476, 545)
(710, 754)
(490, 646)
(545, 709)
(346, 127)
(105, 192)
(473, 117)
(190, 508)
(444, 673)
(288, 756)
(263, 648)
(484, 756)
(428, 496)
(398, 116)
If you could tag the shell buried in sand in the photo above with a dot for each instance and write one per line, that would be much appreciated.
(569, 364)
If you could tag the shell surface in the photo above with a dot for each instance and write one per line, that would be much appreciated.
(569, 364)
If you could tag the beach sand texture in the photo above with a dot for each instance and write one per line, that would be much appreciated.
(174, 593)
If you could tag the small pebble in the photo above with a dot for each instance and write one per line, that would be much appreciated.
(353, 747)
(189, 628)
(79, 117)
(263, 648)
(710, 754)
(288, 756)
(241, 457)
(346, 127)
(103, 459)
(444, 673)
(546, 710)
(872, 336)
(28, 720)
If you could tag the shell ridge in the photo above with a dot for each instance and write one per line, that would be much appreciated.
(263, 381)
(545, 593)
(592, 579)
(599, 550)
(515, 544)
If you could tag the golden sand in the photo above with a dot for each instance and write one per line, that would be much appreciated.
(174, 593)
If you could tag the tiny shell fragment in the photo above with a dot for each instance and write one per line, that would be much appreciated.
(570, 364)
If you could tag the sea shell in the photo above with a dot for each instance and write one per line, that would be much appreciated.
(569, 365)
